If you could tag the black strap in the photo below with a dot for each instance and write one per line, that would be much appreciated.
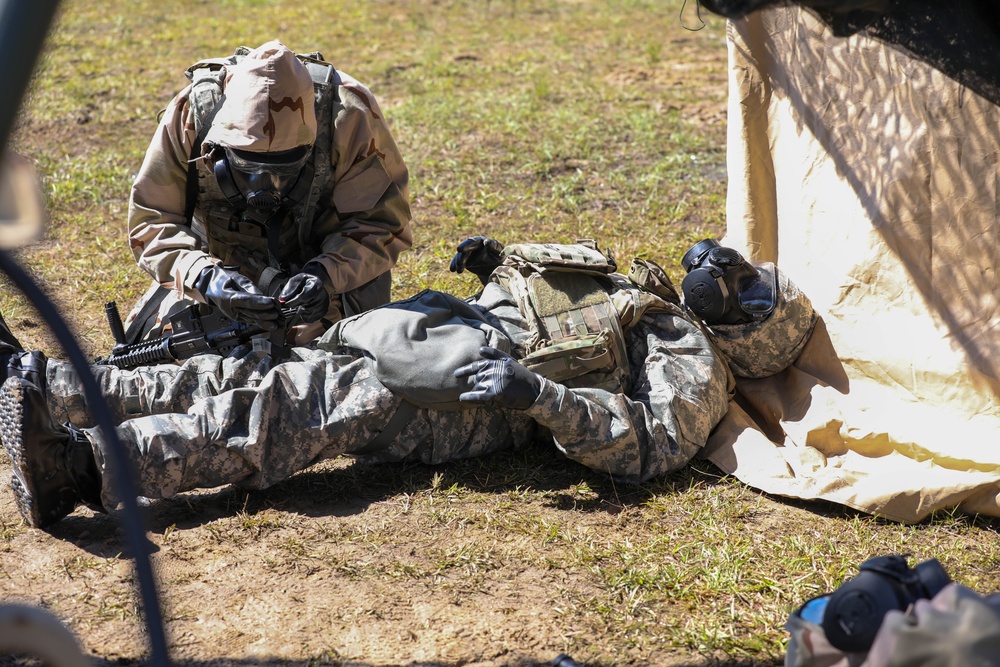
(402, 417)
(191, 190)
(274, 223)
(270, 281)
(144, 320)
(273, 229)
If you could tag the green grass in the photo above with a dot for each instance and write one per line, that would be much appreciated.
(543, 120)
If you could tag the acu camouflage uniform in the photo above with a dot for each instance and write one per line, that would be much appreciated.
(355, 220)
(761, 349)
(242, 420)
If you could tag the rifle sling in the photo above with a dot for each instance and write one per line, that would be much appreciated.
(191, 190)
(146, 317)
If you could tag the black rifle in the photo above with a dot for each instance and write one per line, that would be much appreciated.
(195, 329)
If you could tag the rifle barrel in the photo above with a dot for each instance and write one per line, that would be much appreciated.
(115, 322)
(142, 354)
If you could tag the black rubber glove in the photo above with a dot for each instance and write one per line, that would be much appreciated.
(478, 254)
(237, 297)
(500, 380)
(304, 298)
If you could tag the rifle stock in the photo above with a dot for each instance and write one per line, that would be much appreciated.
(195, 329)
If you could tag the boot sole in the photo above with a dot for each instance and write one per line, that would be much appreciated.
(12, 434)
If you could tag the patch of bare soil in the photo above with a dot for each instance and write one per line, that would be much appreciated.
(345, 564)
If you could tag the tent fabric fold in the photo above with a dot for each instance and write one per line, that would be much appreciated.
(871, 179)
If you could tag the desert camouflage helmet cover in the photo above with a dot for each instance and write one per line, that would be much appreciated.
(268, 104)
(760, 349)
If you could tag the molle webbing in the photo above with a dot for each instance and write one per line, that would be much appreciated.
(562, 291)
(571, 305)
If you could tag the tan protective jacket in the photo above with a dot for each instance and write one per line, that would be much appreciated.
(358, 230)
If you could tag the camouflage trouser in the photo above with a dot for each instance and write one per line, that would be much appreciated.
(303, 411)
(158, 389)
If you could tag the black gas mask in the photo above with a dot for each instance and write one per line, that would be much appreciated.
(721, 287)
(260, 183)
(852, 614)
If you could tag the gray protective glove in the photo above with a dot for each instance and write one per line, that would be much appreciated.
(478, 254)
(304, 297)
(500, 380)
(237, 297)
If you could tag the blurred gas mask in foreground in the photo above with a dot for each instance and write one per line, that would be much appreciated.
(852, 614)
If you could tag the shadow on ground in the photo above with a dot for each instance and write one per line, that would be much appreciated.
(347, 488)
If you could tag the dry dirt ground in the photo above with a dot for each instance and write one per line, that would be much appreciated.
(473, 564)
(305, 573)
(482, 563)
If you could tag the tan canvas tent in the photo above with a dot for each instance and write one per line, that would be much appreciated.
(871, 179)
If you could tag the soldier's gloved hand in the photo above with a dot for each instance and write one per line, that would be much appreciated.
(500, 380)
(305, 295)
(478, 254)
(237, 297)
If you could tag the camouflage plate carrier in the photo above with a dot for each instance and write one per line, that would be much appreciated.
(567, 295)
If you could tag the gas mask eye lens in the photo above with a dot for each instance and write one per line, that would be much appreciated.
(757, 296)
(278, 162)
(261, 181)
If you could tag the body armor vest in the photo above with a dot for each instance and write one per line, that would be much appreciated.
(263, 255)
(578, 310)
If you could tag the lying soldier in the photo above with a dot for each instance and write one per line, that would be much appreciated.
(623, 377)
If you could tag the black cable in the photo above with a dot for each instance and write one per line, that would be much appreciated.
(23, 28)
(120, 467)
(680, 15)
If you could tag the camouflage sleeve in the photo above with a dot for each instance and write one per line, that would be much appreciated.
(368, 225)
(162, 242)
(680, 392)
